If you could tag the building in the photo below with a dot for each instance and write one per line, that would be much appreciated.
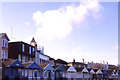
(60, 62)
(52, 61)
(3, 46)
(3, 49)
(76, 64)
(22, 51)
(40, 57)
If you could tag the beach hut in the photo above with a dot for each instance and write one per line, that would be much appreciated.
(13, 69)
(85, 73)
(47, 71)
(105, 74)
(71, 72)
(92, 74)
(99, 74)
(59, 72)
(32, 71)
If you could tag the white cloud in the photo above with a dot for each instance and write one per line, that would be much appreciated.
(57, 24)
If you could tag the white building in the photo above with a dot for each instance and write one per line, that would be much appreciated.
(40, 57)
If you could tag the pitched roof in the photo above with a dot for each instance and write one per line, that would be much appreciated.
(105, 72)
(33, 40)
(61, 61)
(7, 63)
(60, 68)
(48, 67)
(13, 63)
(92, 71)
(32, 65)
(99, 72)
(66, 67)
(85, 70)
(27, 64)
(42, 66)
(71, 69)
(2, 34)
(79, 69)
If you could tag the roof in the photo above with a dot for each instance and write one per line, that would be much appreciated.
(13, 63)
(71, 69)
(92, 71)
(99, 72)
(42, 66)
(52, 59)
(2, 34)
(85, 70)
(61, 61)
(46, 67)
(66, 67)
(105, 72)
(79, 69)
(20, 42)
(60, 68)
(31, 65)
(7, 63)
(33, 40)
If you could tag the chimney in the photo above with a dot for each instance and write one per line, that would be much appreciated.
(73, 60)
(83, 60)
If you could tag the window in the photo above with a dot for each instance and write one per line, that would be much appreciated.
(19, 57)
(33, 49)
(30, 49)
(5, 54)
(4, 43)
(2, 55)
(23, 58)
(22, 47)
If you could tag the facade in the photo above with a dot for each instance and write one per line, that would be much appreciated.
(77, 64)
(40, 57)
(22, 51)
(3, 46)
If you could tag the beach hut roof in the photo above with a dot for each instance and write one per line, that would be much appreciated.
(79, 69)
(46, 67)
(71, 69)
(92, 71)
(116, 74)
(85, 70)
(105, 72)
(60, 68)
(99, 71)
(32, 65)
(13, 63)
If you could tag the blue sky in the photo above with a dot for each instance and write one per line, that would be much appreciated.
(66, 30)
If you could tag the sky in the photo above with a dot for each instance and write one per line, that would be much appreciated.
(67, 30)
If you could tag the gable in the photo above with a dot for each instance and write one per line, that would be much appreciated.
(71, 69)
(33, 65)
(60, 68)
(85, 70)
(48, 67)
(16, 63)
